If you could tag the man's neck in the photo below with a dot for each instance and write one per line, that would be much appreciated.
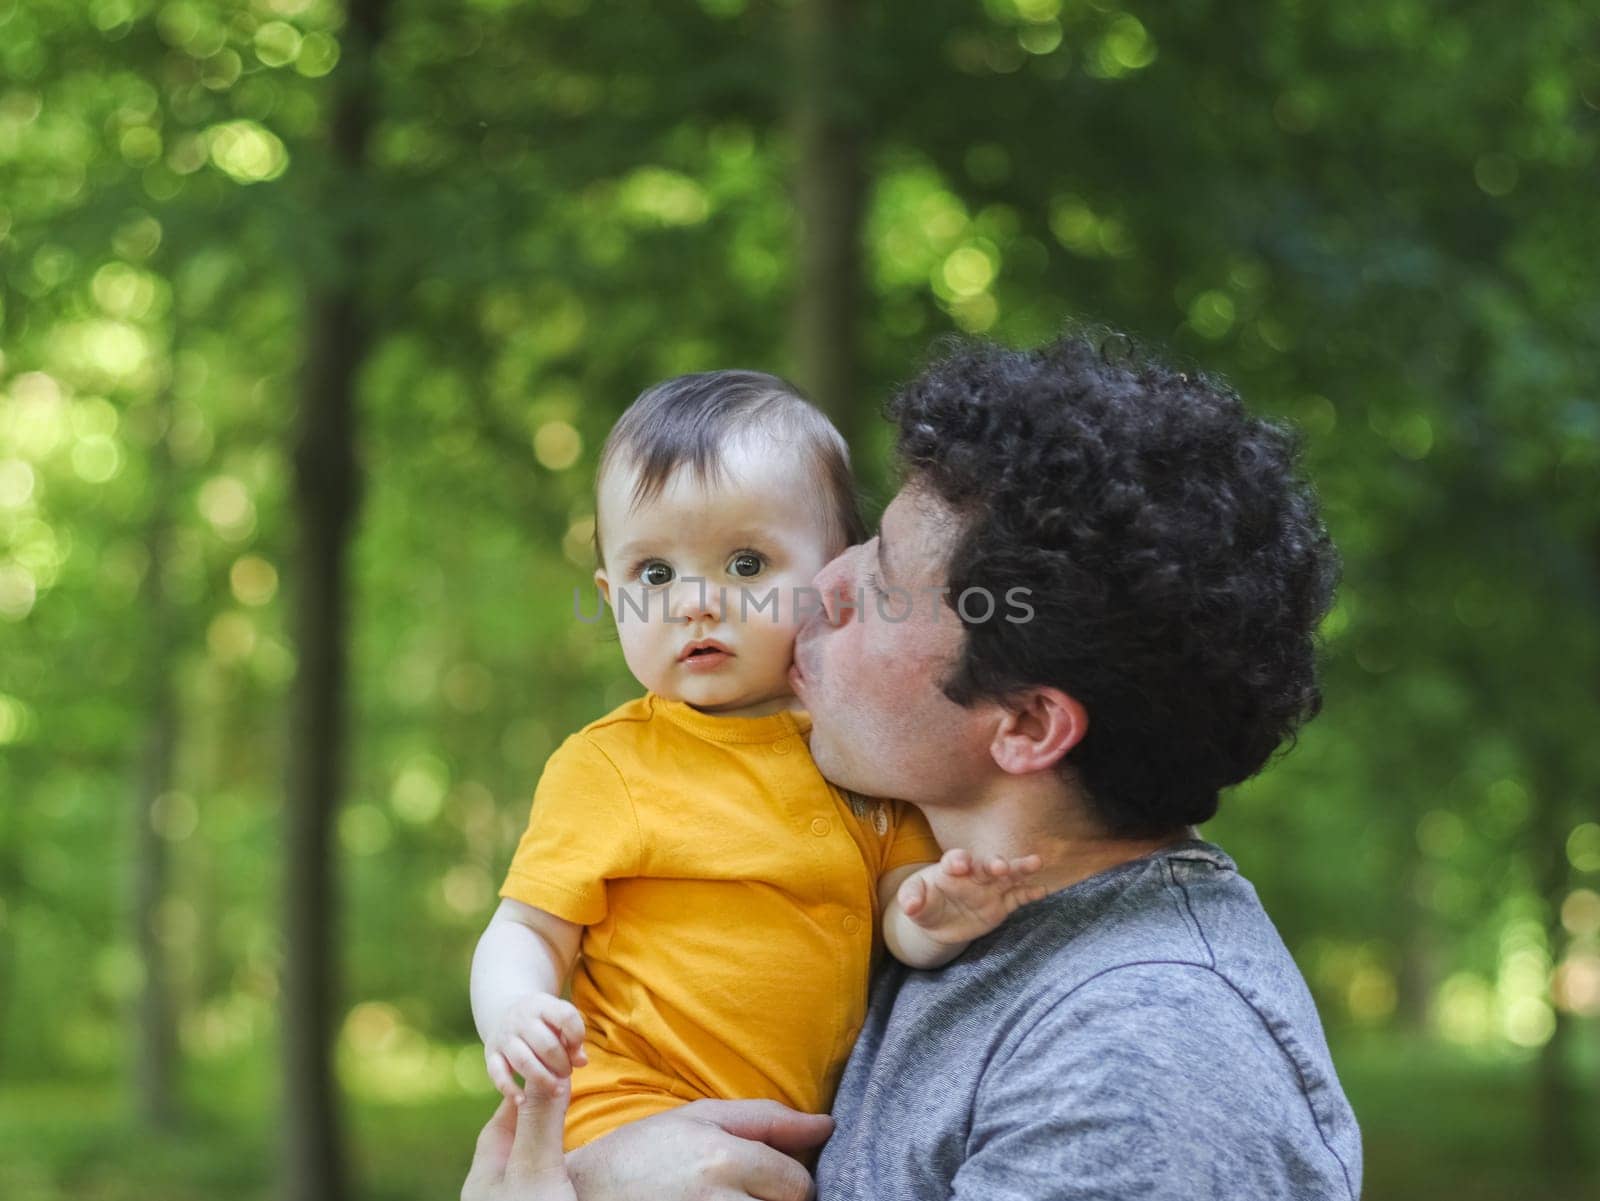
(1041, 816)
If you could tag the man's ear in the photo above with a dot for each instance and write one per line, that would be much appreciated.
(603, 582)
(1036, 729)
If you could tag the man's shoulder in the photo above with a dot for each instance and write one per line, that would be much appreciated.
(1175, 1015)
(1185, 935)
(1184, 992)
(1169, 908)
(1148, 1009)
(1181, 908)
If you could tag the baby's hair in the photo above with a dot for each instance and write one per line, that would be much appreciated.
(689, 419)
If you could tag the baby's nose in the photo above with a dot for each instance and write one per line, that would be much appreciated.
(695, 599)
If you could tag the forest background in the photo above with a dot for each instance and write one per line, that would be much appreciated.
(313, 317)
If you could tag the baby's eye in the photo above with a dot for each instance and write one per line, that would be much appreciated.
(745, 563)
(656, 573)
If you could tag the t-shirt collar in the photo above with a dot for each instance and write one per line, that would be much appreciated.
(716, 727)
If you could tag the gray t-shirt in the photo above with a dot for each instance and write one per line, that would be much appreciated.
(1142, 1034)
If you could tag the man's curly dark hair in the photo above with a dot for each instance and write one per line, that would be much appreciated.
(1177, 563)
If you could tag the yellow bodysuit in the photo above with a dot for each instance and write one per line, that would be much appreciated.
(729, 898)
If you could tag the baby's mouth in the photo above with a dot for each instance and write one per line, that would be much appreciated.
(701, 651)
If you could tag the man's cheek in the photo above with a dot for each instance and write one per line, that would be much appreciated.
(805, 603)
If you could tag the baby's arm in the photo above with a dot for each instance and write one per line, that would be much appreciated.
(518, 970)
(931, 911)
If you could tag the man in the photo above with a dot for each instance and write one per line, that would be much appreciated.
(1115, 577)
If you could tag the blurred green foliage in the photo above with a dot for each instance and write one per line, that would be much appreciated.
(1376, 218)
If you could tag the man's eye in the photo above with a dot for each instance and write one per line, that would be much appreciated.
(656, 574)
(745, 564)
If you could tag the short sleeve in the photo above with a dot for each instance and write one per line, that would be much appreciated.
(1155, 1081)
(910, 840)
(582, 831)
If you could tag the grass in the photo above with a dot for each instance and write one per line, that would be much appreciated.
(1438, 1123)
(78, 1142)
(1435, 1123)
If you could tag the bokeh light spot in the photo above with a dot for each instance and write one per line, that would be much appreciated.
(123, 291)
(419, 790)
(231, 637)
(968, 271)
(16, 720)
(557, 445)
(1529, 1022)
(16, 483)
(277, 43)
(253, 580)
(654, 195)
(226, 504)
(1211, 314)
(1580, 913)
(1125, 46)
(18, 591)
(319, 54)
(467, 890)
(247, 152)
(1583, 847)
(1041, 38)
(174, 816)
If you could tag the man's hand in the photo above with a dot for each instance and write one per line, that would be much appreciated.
(708, 1151)
(519, 1152)
(711, 1150)
(959, 899)
(538, 1036)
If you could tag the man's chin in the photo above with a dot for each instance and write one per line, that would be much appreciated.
(833, 768)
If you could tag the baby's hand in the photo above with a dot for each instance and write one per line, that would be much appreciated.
(538, 1036)
(959, 899)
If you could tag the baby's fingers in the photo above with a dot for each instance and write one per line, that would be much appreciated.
(549, 1047)
(528, 1063)
(913, 895)
(500, 1075)
(567, 1022)
(1018, 897)
(957, 862)
(1027, 865)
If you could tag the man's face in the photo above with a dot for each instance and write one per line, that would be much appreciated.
(881, 725)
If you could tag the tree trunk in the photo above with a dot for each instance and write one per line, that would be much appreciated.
(829, 190)
(1564, 1149)
(157, 1036)
(1418, 976)
(327, 493)
(1561, 1149)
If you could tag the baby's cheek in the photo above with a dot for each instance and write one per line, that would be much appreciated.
(639, 642)
(752, 605)
(773, 628)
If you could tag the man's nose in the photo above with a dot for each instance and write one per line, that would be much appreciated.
(834, 583)
(696, 599)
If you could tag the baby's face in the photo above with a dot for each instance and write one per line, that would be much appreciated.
(690, 567)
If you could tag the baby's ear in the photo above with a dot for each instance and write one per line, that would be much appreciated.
(603, 582)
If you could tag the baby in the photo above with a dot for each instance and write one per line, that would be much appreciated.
(718, 898)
